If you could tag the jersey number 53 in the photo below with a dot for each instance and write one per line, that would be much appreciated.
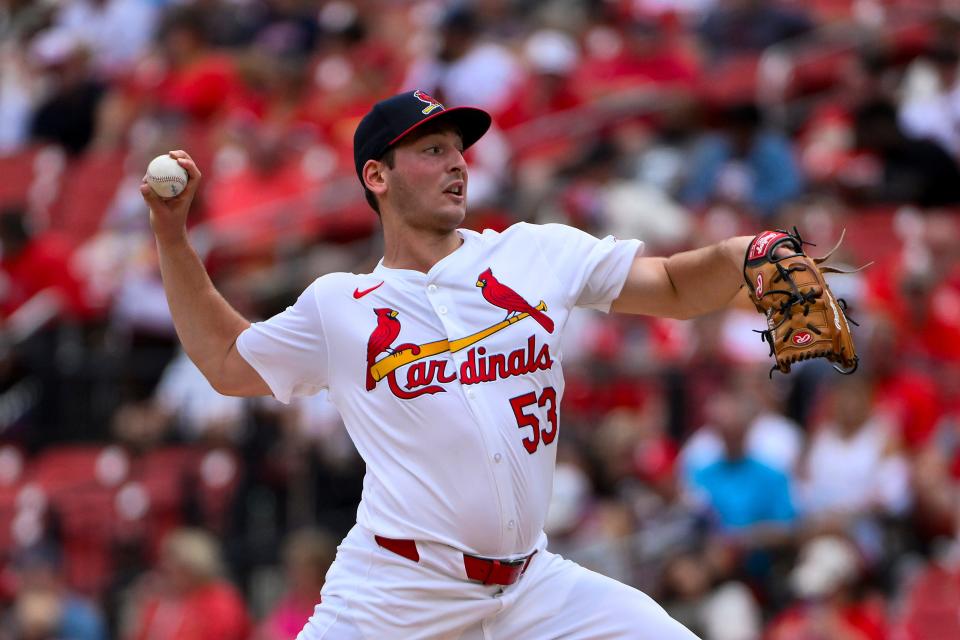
(548, 399)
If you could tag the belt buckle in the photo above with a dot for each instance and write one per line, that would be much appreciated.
(496, 572)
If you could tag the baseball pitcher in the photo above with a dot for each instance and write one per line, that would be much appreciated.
(445, 364)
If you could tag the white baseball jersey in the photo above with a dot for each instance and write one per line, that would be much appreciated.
(449, 382)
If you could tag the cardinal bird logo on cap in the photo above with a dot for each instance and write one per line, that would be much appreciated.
(500, 295)
(432, 103)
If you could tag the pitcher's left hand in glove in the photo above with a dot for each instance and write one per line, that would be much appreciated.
(804, 319)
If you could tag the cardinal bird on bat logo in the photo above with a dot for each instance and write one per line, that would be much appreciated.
(425, 373)
(386, 332)
(500, 295)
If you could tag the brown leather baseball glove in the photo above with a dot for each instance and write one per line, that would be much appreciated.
(804, 319)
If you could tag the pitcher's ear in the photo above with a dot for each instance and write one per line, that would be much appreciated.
(373, 176)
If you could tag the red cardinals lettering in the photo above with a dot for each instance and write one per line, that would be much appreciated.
(500, 295)
(388, 328)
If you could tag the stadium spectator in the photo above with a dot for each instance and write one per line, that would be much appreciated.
(307, 556)
(931, 606)
(936, 466)
(117, 32)
(19, 90)
(45, 312)
(289, 29)
(750, 26)
(45, 608)
(267, 94)
(467, 67)
(66, 114)
(600, 198)
(633, 56)
(772, 438)
(198, 412)
(24, 18)
(852, 475)
(38, 265)
(750, 501)
(852, 466)
(916, 289)
(931, 105)
(824, 582)
(198, 80)
(353, 68)
(827, 141)
(187, 598)
(745, 164)
(696, 593)
(550, 57)
(917, 171)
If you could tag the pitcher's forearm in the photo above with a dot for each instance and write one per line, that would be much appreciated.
(206, 323)
(709, 278)
(685, 285)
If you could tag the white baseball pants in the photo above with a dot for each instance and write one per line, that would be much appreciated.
(374, 594)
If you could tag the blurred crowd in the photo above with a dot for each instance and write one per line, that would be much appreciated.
(137, 503)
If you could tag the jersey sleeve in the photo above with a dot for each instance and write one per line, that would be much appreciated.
(289, 350)
(592, 270)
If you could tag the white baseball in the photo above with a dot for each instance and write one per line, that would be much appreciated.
(166, 177)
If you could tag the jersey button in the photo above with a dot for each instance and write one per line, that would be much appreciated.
(442, 310)
(432, 288)
(511, 524)
(497, 457)
(470, 393)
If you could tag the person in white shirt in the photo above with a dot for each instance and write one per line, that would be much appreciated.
(853, 469)
(445, 365)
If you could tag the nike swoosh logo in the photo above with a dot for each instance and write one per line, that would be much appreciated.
(359, 294)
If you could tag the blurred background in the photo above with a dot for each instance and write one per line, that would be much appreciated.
(137, 503)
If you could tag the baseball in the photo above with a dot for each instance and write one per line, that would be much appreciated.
(166, 177)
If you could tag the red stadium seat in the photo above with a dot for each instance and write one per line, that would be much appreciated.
(89, 186)
(932, 609)
(875, 236)
(831, 10)
(8, 511)
(81, 482)
(17, 172)
(12, 466)
(732, 81)
(219, 477)
(73, 467)
(87, 517)
(165, 474)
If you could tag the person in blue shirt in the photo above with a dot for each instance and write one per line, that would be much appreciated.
(45, 605)
(745, 164)
(747, 499)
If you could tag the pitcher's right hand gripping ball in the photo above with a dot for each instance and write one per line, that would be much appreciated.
(804, 319)
(166, 177)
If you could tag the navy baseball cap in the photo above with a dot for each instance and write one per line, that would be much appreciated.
(391, 120)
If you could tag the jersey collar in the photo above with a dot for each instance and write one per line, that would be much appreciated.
(467, 238)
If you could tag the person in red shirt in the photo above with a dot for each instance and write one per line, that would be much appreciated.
(823, 581)
(34, 264)
(641, 55)
(186, 598)
(45, 310)
(199, 81)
